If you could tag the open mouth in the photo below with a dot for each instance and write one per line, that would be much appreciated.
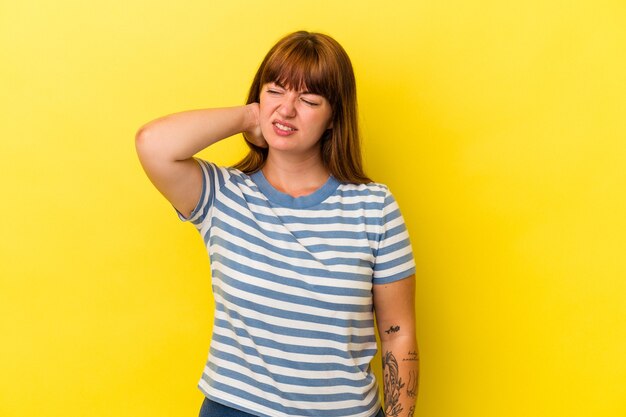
(284, 127)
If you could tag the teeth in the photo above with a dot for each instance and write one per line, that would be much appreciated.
(283, 127)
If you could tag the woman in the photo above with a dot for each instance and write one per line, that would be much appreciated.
(303, 246)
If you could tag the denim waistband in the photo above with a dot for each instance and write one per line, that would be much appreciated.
(213, 409)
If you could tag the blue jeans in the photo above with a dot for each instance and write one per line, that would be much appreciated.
(212, 409)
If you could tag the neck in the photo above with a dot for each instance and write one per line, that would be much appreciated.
(296, 177)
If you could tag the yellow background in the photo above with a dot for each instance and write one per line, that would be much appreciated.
(500, 127)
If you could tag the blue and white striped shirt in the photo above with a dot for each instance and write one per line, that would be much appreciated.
(292, 278)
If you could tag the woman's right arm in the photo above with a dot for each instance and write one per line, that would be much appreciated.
(166, 147)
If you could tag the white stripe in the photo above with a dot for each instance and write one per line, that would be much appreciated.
(279, 370)
(295, 341)
(296, 226)
(288, 260)
(392, 224)
(281, 272)
(393, 256)
(302, 405)
(290, 307)
(355, 243)
(317, 214)
(395, 270)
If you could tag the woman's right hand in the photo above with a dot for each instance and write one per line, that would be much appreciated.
(253, 133)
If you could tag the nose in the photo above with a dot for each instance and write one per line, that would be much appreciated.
(287, 106)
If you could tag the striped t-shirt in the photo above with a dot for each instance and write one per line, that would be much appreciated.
(292, 279)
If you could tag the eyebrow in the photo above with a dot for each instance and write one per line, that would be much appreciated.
(278, 83)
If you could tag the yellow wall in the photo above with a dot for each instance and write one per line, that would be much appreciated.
(500, 127)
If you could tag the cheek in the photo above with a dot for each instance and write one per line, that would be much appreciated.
(325, 118)
(264, 112)
(329, 123)
(325, 122)
(265, 125)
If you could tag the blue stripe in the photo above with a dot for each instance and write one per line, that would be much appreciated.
(349, 207)
(344, 224)
(317, 287)
(284, 237)
(296, 349)
(295, 266)
(285, 363)
(284, 379)
(377, 191)
(294, 331)
(394, 263)
(294, 315)
(294, 299)
(236, 215)
(322, 398)
(400, 245)
(341, 221)
(337, 248)
(359, 235)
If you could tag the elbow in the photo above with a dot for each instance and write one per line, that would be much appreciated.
(151, 141)
(142, 138)
(146, 143)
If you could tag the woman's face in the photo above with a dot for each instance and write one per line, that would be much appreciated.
(293, 121)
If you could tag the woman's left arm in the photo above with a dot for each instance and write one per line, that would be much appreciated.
(394, 305)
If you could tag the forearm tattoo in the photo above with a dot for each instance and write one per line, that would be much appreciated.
(392, 384)
(411, 388)
(393, 329)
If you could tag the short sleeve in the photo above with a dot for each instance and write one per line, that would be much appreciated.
(212, 179)
(394, 255)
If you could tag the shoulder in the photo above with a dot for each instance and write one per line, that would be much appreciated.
(221, 173)
(369, 190)
(373, 194)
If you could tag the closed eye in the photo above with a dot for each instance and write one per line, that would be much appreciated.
(310, 103)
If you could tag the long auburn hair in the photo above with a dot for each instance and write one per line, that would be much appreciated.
(317, 63)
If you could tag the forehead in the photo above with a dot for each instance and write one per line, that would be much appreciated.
(302, 89)
(298, 73)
